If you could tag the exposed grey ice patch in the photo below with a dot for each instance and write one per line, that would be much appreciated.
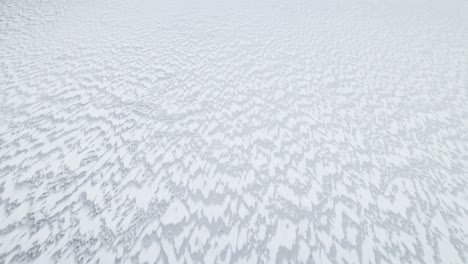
(234, 131)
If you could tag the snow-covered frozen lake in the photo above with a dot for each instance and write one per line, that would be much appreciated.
(234, 131)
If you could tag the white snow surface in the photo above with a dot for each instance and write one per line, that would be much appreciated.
(234, 131)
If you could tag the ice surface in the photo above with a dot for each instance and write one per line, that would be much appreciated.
(234, 131)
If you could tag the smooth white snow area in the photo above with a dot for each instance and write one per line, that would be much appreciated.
(234, 131)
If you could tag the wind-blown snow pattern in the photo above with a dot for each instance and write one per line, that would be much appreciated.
(234, 131)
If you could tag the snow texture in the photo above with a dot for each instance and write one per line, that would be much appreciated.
(234, 131)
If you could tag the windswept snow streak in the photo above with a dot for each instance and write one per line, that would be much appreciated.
(234, 132)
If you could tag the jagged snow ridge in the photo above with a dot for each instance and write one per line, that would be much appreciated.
(234, 131)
